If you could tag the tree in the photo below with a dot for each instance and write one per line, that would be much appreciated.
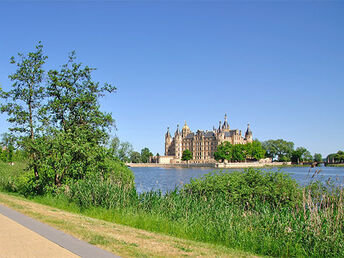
(254, 150)
(114, 145)
(238, 152)
(60, 123)
(317, 157)
(124, 151)
(223, 152)
(187, 155)
(7, 139)
(135, 157)
(301, 154)
(145, 154)
(24, 100)
(340, 156)
(278, 149)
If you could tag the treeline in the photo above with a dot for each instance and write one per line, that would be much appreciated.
(125, 152)
(278, 150)
(284, 151)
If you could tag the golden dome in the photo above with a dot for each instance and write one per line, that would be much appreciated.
(185, 127)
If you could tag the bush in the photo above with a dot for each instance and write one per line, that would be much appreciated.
(249, 187)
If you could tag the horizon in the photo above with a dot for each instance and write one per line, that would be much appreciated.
(277, 66)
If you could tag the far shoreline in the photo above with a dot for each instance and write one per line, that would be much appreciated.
(217, 165)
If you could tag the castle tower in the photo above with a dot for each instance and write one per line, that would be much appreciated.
(186, 130)
(248, 134)
(225, 126)
(168, 141)
(178, 143)
(219, 129)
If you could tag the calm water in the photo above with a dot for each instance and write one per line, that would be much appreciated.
(168, 178)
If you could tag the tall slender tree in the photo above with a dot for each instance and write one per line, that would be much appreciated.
(24, 99)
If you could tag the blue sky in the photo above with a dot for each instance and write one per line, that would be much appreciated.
(275, 65)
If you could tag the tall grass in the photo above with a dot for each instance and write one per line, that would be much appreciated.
(256, 211)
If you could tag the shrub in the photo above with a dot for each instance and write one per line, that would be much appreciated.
(249, 187)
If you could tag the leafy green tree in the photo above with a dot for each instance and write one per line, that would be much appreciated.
(254, 150)
(61, 125)
(187, 155)
(340, 156)
(278, 149)
(114, 145)
(238, 152)
(317, 157)
(72, 115)
(223, 152)
(135, 157)
(24, 100)
(145, 154)
(124, 151)
(301, 154)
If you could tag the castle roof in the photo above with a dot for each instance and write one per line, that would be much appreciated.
(190, 136)
(248, 131)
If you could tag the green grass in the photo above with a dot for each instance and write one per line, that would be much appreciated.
(335, 165)
(8, 173)
(259, 213)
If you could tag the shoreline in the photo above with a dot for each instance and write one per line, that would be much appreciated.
(215, 165)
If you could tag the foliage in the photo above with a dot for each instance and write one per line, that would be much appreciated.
(301, 154)
(124, 151)
(278, 149)
(187, 155)
(145, 154)
(267, 223)
(317, 157)
(223, 152)
(239, 152)
(59, 123)
(135, 157)
(255, 150)
(24, 100)
(336, 157)
(249, 187)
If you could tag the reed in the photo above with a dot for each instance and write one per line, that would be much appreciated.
(261, 212)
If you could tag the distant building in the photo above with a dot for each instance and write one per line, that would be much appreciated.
(202, 144)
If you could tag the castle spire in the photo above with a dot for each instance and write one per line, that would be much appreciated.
(168, 132)
(225, 125)
(248, 132)
(177, 131)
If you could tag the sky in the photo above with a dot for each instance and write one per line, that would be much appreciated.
(277, 65)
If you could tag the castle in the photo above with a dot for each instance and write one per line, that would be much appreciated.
(202, 144)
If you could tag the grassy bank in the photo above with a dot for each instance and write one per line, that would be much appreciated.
(335, 165)
(121, 240)
(253, 211)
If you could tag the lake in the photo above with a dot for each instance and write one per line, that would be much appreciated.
(166, 179)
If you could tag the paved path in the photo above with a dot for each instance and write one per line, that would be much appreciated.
(22, 236)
